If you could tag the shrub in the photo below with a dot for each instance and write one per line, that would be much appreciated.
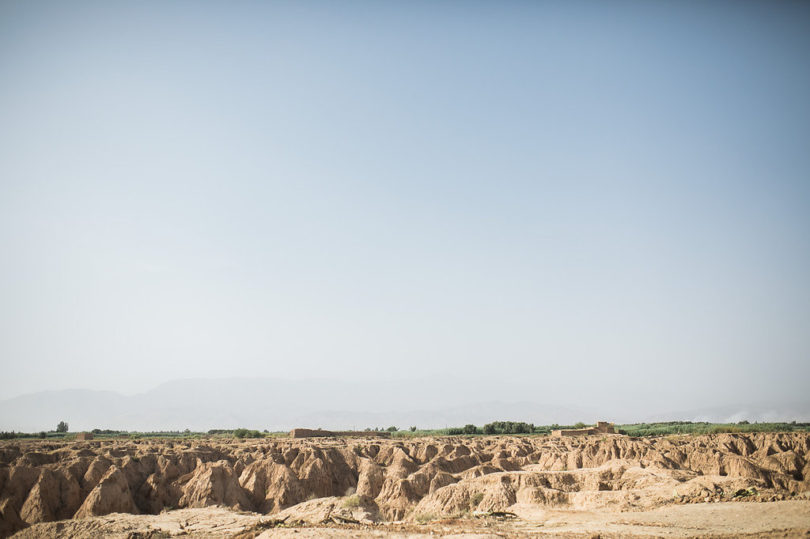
(721, 429)
(413, 429)
(423, 518)
(62, 427)
(476, 499)
(245, 433)
(508, 427)
(392, 429)
(107, 431)
(351, 502)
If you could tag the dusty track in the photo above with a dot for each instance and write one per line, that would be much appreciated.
(416, 481)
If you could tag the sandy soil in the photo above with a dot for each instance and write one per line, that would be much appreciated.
(680, 486)
(749, 519)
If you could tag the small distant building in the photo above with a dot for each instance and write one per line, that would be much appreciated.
(83, 436)
(602, 427)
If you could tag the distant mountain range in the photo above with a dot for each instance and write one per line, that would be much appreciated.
(273, 404)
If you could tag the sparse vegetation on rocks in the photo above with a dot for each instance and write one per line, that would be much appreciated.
(352, 502)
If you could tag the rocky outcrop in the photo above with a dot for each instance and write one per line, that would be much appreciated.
(393, 479)
(110, 495)
(214, 483)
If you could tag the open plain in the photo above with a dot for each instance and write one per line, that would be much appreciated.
(755, 485)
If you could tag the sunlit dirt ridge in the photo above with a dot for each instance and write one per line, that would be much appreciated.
(394, 479)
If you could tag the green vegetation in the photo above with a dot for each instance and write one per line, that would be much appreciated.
(512, 428)
(11, 435)
(701, 427)
(508, 427)
(62, 427)
(351, 502)
(424, 518)
(466, 429)
(635, 429)
(745, 492)
(245, 433)
(107, 432)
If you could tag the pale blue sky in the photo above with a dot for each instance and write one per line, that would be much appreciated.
(550, 190)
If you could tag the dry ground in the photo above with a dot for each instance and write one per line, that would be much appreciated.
(679, 486)
(747, 519)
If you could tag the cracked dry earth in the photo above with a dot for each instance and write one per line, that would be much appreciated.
(730, 485)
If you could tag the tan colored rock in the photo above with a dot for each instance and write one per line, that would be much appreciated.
(111, 495)
(440, 476)
(10, 520)
(43, 501)
(215, 483)
(370, 480)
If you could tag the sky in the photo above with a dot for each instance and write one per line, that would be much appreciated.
(610, 200)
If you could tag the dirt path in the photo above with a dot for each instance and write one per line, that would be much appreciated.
(693, 520)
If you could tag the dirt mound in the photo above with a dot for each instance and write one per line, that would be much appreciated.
(110, 495)
(213, 483)
(390, 480)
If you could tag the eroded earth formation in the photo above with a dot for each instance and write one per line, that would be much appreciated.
(390, 480)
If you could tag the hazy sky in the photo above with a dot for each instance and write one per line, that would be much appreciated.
(608, 198)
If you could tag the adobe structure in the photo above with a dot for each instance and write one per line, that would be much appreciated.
(602, 427)
(318, 433)
(84, 436)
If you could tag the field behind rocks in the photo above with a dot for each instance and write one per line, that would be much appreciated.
(370, 481)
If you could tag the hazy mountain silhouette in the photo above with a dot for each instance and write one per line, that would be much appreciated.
(201, 404)
(273, 404)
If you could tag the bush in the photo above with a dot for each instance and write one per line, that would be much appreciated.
(62, 427)
(721, 429)
(508, 427)
(413, 429)
(352, 502)
(392, 429)
(470, 429)
(245, 433)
